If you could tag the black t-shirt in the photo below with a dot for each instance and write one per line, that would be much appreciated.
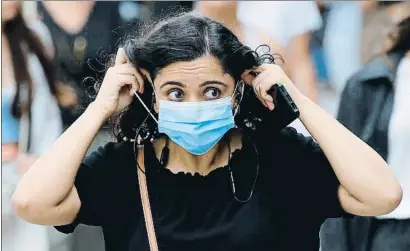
(296, 190)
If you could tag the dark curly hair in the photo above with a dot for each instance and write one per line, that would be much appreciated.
(185, 37)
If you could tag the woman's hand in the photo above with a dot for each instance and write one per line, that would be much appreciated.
(120, 82)
(268, 75)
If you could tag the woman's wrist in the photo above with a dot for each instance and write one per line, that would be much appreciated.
(303, 103)
(98, 112)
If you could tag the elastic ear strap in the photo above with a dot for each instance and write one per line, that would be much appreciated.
(146, 108)
(146, 206)
(241, 82)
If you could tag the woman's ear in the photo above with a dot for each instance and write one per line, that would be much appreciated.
(155, 105)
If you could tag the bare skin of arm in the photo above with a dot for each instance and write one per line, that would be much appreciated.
(301, 66)
(368, 186)
(46, 194)
(33, 199)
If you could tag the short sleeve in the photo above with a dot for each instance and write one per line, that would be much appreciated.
(317, 184)
(96, 188)
(281, 20)
(300, 18)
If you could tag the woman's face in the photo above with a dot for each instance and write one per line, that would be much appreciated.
(202, 79)
(9, 10)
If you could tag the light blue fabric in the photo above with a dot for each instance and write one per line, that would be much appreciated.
(196, 126)
(342, 42)
(9, 124)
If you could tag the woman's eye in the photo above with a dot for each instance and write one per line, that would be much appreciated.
(176, 95)
(212, 93)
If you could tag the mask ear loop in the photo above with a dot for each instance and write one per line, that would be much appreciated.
(146, 108)
(165, 150)
(234, 94)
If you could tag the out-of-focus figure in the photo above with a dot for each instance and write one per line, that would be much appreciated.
(342, 41)
(375, 106)
(380, 19)
(31, 119)
(86, 34)
(285, 26)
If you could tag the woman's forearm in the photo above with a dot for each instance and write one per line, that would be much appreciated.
(50, 180)
(361, 171)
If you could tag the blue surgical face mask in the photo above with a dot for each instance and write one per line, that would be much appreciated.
(196, 126)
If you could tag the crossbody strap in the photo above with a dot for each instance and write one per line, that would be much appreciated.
(146, 206)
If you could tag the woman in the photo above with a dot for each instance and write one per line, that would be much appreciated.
(375, 106)
(31, 120)
(211, 187)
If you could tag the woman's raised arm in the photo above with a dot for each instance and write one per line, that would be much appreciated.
(46, 194)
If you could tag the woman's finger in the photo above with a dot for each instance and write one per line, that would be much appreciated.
(125, 69)
(141, 78)
(261, 68)
(266, 82)
(258, 94)
(120, 58)
(128, 80)
(267, 98)
(129, 69)
(257, 86)
(258, 79)
(247, 77)
(147, 75)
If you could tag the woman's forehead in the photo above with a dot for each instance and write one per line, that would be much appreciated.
(205, 68)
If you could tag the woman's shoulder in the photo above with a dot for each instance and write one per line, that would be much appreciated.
(110, 155)
(288, 139)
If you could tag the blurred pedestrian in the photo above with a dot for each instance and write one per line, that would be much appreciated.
(85, 34)
(342, 42)
(375, 106)
(31, 119)
(285, 26)
(212, 173)
(380, 21)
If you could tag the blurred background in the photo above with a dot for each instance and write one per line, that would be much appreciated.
(350, 57)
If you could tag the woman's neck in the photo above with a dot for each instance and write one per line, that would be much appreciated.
(182, 161)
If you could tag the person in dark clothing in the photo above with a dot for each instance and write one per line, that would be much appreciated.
(375, 106)
(219, 177)
(85, 34)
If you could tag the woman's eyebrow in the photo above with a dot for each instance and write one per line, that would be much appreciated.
(174, 83)
(213, 82)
